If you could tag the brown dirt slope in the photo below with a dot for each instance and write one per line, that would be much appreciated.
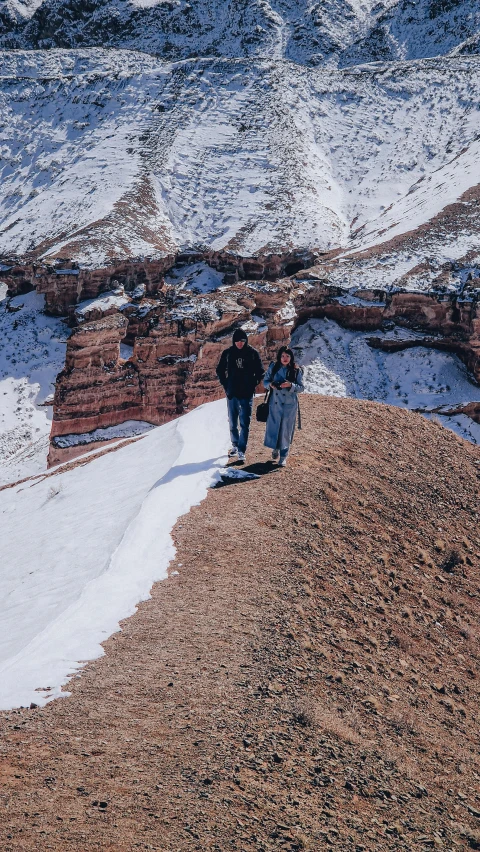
(309, 678)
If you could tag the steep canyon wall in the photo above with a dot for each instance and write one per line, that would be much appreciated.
(177, 336)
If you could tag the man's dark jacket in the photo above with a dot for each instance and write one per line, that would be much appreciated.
(240, 371)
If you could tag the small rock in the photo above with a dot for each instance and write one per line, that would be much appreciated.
(473, 811)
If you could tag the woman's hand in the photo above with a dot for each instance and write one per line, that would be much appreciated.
(286, 385)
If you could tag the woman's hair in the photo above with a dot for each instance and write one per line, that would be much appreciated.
(292, 367)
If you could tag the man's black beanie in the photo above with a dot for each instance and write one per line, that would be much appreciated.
(239, 334)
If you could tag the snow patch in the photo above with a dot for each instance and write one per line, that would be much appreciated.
(198, 277)
(339, 362)
(288, 311)
(255, 325)
(103, 531)
(101, 304)
(126, 351)
(31, 355)
(128, 429)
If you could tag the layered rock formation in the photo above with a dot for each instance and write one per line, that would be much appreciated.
(65, 285)
(451, 315)
(175, 351)
(177, 339)
(177, 335)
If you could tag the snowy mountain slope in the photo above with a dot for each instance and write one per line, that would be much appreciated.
(415, 29)
(132, 156)
(32, 354)
(80, 549)
(338, 31)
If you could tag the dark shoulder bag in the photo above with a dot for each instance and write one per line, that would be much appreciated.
(263, 408)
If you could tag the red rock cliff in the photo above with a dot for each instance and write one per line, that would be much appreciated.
(175, 353)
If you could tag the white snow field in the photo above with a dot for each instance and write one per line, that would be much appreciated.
(198, 277)
(339, 362)
(80, 549)
(134, 156)
(32, 353)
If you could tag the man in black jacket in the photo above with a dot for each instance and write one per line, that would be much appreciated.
(239, 370)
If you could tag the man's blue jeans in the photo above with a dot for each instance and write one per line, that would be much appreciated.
(239, 410)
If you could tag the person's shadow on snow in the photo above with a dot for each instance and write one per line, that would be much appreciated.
(259, 468)
(186, 470)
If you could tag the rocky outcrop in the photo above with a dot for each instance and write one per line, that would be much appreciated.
(175, 352)
(455, 318)
(176, 336)
(66, 285)
(19, 278)
(456, 321)
(267, 266)
(434, 311)
(97, 387)
(177, 341)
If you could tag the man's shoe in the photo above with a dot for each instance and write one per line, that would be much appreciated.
(275, 454)
(241, 456)
(233, 451)
(282, 463)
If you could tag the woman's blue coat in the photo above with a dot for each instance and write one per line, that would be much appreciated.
(282, 414)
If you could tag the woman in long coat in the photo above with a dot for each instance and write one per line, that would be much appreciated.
(285, 381)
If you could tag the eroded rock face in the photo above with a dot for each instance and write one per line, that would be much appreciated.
(175, 353)
(96, 388)
(19, 278)
(66, 285)
(456, 318)
(177, 336)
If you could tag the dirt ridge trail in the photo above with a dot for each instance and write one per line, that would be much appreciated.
(307, 680)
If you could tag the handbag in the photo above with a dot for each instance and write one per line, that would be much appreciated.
(263, 408)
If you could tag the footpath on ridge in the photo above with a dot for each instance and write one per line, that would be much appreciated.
(307, 677)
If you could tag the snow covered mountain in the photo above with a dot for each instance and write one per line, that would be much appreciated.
(112, 154)
(247, 126)
(344, 32)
